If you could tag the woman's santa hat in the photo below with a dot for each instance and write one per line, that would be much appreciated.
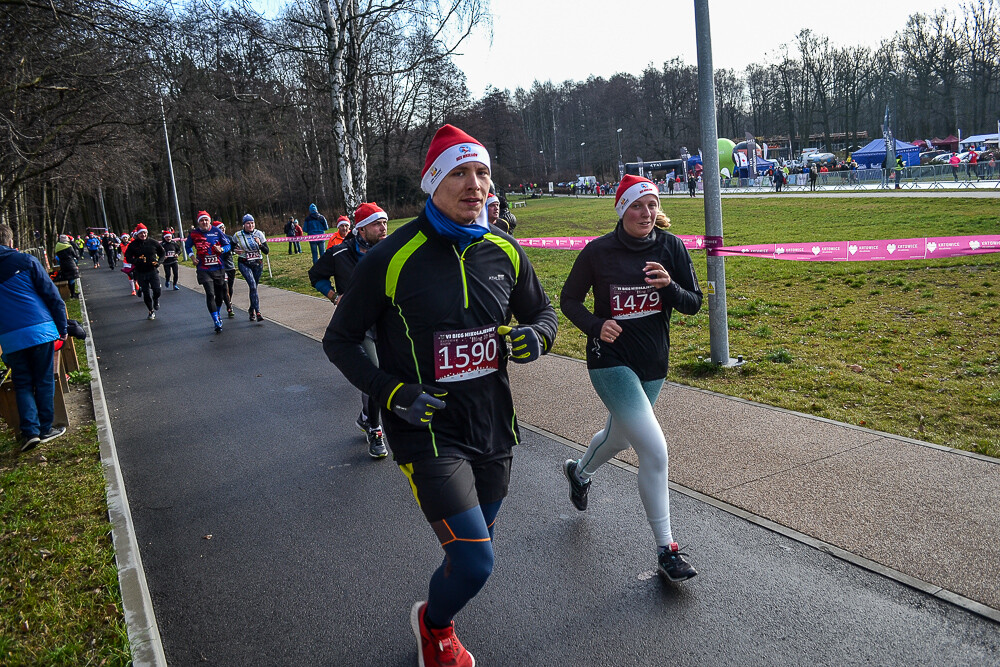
(368, 213)
(632, 188)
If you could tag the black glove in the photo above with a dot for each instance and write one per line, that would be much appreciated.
(416, 404)
(525, 345)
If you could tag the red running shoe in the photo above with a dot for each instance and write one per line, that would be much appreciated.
(437, 648)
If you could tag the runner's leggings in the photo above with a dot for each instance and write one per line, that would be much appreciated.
(149, 284)
(214, 283)
(369, 404)
(468, 563)
(168, 269)
(227, 294)
(251, 273)
(631, 422)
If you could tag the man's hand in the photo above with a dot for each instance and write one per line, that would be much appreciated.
(417, 404)
(525, 345)
(332, 296)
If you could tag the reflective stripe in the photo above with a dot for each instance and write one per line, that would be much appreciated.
(511, 251)
(407, 469)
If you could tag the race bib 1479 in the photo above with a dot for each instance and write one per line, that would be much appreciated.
(466, 354)
(632, 301)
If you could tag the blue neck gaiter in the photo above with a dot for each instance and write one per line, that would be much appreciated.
(461, 235)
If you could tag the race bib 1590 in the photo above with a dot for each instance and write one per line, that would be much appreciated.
(462, 355)
(632, 301)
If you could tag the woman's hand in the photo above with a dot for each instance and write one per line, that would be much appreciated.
(656, 275)
(610, 331)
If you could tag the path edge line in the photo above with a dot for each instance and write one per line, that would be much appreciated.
(140, 621)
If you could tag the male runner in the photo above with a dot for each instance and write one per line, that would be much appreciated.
(338, 263)
(171, 251)
(144, 254)
(440, 293)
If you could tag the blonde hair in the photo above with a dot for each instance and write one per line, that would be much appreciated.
(662, 221)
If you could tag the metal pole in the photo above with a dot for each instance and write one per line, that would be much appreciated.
(269, 274)
(718, 323)
(173, 181)
(104, 213)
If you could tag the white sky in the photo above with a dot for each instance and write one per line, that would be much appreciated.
(537, 39)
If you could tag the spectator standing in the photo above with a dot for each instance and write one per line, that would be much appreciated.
(779, 179)
(813, 176)
(692, 183)
(290, 233)
(974, 164)
(34, 317)
(68, 257)
(898, 170)
(954, 161)
(991, 167)
(315, 224)
(343, 231)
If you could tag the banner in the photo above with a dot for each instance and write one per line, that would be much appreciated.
(818, 251)
(293, 239)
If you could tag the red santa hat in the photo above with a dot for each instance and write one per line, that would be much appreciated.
(140, 228)
(632, 188)
(203, 214)
(368, 213)
(492, 199)
(343, 220)
(449, 148)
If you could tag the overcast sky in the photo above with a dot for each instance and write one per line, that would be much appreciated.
(535, 39)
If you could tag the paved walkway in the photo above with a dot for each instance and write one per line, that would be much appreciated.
(925, 511)
(268, 537)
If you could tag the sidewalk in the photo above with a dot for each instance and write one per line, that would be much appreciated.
(920, 513)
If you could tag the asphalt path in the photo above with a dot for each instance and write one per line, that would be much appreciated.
(316, 552)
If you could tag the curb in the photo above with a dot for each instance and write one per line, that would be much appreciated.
(143, 633)
(933, 590)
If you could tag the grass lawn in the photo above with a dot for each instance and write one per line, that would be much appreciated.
(905, 347)
(60, 602)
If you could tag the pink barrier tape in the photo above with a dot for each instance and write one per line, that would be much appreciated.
(823, 251)
(293, 239)
(869, 251)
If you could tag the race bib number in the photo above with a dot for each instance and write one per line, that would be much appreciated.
(209, 260)
(171, 253)
(629, 302)
(462, 355)
(252, 255)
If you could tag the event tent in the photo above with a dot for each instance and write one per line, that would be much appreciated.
(873, 155)
(978, 140)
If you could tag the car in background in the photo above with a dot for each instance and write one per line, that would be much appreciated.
(942, 158)
(927, 156)
(821, 159)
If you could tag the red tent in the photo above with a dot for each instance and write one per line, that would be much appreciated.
(949, 143)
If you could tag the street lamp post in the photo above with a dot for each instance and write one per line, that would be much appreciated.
(582, 144)
(621, 164)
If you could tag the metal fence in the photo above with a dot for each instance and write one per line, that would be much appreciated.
(918, 177)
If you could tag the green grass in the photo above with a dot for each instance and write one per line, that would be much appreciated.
(924, 333)
(60, 602)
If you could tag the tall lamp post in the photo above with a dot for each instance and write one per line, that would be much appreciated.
(582, 144)
(621, 164)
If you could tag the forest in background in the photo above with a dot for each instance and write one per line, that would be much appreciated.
(335, 102)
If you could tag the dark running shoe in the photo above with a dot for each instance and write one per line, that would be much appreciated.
(30, 443)
(231, 313)
(53, 433)
(672, 565)
(362, 423)
(260, 318)
(376, 444)
(218, 327)
(253, 316)
(577, 489)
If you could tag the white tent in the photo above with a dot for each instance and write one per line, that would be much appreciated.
(979, 139)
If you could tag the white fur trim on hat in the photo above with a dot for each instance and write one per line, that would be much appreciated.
(449, 159)
(640, 189)
(377, 215)
(492, 199)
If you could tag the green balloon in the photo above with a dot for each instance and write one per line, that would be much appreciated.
(726, 155)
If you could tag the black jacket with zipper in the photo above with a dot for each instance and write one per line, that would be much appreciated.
(414, 284)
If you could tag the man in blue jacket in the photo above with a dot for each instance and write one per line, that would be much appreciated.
(315, 224)
(35, 316)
